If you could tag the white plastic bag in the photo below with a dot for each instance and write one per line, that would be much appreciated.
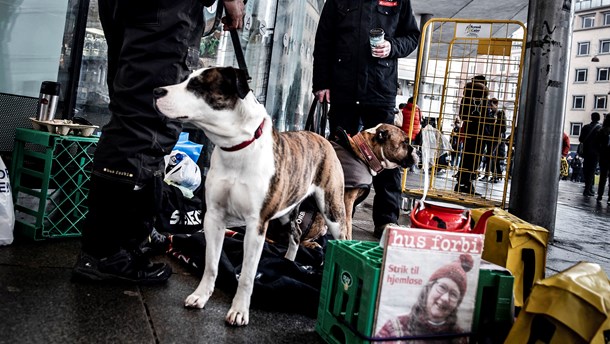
(434, 144)
(7, 211)
(182, 172)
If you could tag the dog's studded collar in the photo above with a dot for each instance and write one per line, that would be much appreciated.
(257, 134)
(369, 157)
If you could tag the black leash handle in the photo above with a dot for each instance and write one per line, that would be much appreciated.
(239, 52)
(317, 125)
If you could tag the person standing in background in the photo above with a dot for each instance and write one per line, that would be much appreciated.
(498, 145)
(603, 143)
(590, 153)
(411, 111)
(150, 44)
(565, 145)
(565, 150)
(576, 166)
(456, 143)
(359, 80)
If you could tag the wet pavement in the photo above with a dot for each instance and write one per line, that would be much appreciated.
(40, 304)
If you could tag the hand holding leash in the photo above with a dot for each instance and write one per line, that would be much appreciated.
(323, 95)
(234, 20)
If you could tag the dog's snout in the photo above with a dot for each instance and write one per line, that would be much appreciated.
(159, 92)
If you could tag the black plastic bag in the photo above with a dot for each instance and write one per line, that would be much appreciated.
(178, 213)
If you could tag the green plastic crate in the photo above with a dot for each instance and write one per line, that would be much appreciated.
(349, 290)
(494, 313)
(49, 177)
(349, 293)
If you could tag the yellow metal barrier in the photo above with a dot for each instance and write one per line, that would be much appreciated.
(468, 76)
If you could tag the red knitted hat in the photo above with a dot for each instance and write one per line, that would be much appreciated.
(456, 271)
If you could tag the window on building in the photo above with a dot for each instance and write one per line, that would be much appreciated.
(581, 75)
(575, 129)
(602, 74)
(588, 21)
(578, 102)
(606, 18)
(583, 48)
(604, 46)
(600, 102)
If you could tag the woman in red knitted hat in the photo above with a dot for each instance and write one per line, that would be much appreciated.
(435, 312)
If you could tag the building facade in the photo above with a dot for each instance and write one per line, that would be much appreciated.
(589, 78)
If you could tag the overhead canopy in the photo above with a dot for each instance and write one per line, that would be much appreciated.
(473, 9)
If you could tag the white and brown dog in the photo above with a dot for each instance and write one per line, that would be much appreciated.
(256, 173)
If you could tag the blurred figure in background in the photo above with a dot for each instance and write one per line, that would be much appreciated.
(603, 143)
(590, 153)
(411, 112)
(565, 150)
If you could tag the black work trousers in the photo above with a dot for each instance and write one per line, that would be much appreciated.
(353, 118)
(151, 43)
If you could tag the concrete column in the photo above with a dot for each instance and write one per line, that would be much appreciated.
(424, 18)
(535, 178)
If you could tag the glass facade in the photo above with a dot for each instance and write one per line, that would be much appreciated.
(31, 44)
(40, 40)
(62, 40)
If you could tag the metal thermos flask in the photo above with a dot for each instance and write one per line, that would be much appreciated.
(47, 101)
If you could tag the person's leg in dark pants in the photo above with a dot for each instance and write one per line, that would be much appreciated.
(147, 46)
(388, 193)
(386, 203)
(589, 165)
(603, 177)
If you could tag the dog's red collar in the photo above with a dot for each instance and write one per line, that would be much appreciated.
(257, 134)
(369, 157)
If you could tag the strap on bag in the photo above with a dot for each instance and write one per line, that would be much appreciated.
(315, 123)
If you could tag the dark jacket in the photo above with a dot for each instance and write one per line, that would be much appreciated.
(602, 140)
(587, 137)
(342, 55)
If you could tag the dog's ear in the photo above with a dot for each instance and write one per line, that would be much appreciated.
(241, 82)
(237, 78)
(382, 135)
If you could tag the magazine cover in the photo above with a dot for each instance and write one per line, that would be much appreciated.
(428, 284)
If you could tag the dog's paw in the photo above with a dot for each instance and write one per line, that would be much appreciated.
(237, 317)
(195, 301)
(311, 245)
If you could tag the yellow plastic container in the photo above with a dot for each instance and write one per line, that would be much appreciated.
(569, 307)
(516, 245)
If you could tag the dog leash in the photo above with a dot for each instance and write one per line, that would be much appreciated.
(239, 52)
(317, 125)
(369, 157)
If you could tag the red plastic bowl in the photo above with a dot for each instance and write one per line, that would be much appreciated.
(441, 216)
